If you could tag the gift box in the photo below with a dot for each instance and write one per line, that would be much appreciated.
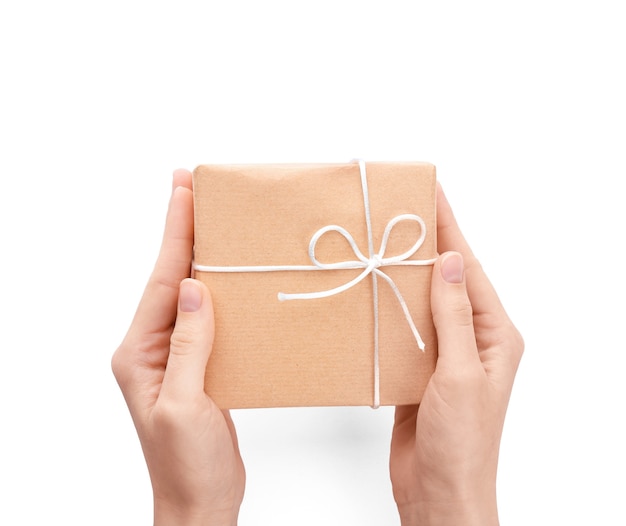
(320, 279)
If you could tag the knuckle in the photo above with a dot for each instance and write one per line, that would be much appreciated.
(164, 415)
(517, 342)
(461, 380)
(164, 278)
(180, 342)
(169, 414)
(511, 339)
(458, 311)
(517, 338)
(510, 342)
(119, 366)
(463, 313)
(125, 364)
(473, 264)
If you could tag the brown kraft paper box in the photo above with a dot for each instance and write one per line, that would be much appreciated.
(320, 351)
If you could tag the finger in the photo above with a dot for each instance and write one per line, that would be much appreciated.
(181, 177)
(191, 343)
(449, 236)
(403, 435)
(157, 309)
(231, 430)
(452, 312)
(405, 418)
(483, 297)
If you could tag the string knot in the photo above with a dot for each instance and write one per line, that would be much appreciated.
(372, 264)
(375, 261)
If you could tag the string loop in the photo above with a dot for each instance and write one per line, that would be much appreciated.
(370, 264)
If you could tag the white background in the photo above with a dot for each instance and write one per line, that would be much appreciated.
(521, 107)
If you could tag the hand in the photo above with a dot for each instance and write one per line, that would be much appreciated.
(444, 452)
(190, 445)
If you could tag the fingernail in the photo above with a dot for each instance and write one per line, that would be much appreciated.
(190, 296)
(452, 268)
(176, 178)
(174, 181)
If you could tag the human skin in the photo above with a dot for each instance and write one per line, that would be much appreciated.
(189, 444)
(444, 452)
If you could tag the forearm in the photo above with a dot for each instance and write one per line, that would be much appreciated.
(165, 515)
(168, 513)
(479, 510)
(475, 512)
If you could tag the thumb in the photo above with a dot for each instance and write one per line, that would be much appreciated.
(191, 342)
(452, 311)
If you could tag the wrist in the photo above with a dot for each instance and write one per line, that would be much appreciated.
(467, 512)
(168, 515)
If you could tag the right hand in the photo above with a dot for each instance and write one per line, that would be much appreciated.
(444, 452)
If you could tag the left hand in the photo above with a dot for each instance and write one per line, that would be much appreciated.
(189, 444)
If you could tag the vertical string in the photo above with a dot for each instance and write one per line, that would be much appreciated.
(376, 404)
(370, 249)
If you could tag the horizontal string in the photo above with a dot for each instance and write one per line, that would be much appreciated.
(286, 268)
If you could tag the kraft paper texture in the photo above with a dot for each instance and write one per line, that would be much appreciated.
(319, 352)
